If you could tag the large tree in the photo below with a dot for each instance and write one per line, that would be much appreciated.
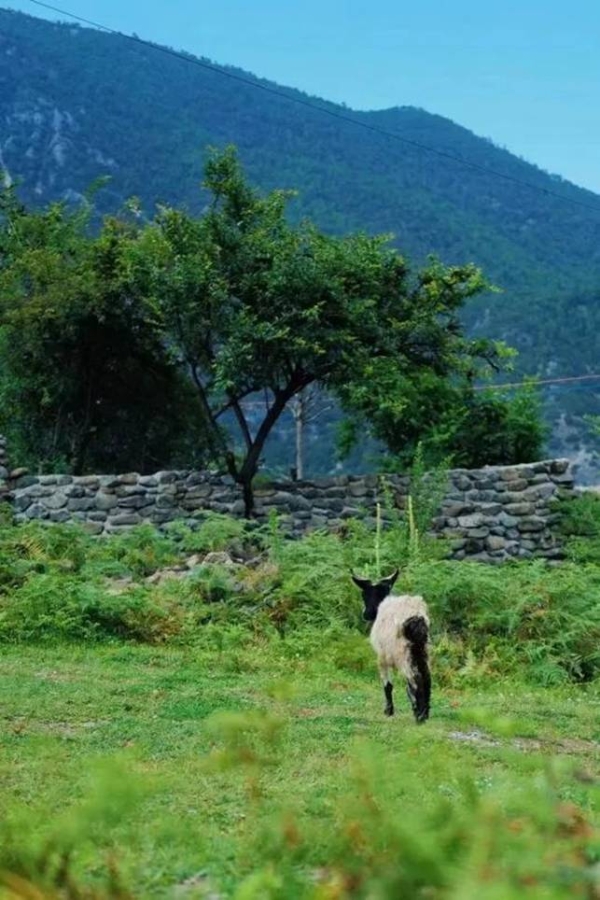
(86, 381)
(256, 306)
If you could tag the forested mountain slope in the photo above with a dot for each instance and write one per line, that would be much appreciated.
(77, 103)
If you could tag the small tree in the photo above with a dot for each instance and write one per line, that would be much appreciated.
(308, 406)
(252, 304)
(447, 416)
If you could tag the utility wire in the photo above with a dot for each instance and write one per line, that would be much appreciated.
(323, 109)
(534, 382)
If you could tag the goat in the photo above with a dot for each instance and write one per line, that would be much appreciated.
(399, 637)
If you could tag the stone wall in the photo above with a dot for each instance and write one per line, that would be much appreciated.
(489, 514)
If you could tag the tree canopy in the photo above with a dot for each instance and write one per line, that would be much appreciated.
(258, 307)
(187, 337)
(85, 380)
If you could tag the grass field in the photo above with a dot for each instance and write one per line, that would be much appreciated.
(219, 732)
(251, 773)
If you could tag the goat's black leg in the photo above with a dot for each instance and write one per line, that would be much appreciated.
(388, 690)
(419, 695)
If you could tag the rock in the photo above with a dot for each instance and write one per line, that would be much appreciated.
(133, 490)
(56, 500)
(565, 479)
(490, 509)
(80, 505)
(75, 491)
(105, 501)
(506, 520)
(495, 542)
(453, 510)
(157, 516)
(519, 509)
(109, 482)
(518, 484)
(60, 515)
(196, 492)
(23, 481)
(19, 473)
(93, 527)
(478, 532)
(473, 546)
(136, 502)
(332, 505)
(472, 521)
(22, 501)
(37, 511)
(192, 562)
(463, 483)
(532, 523)
(125, 519)
(165, 477)
(218, 558)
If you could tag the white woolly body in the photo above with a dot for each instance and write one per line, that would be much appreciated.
(387, 636)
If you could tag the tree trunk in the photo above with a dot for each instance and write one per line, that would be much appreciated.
(248, 495)
(249, 468)
(300, 420)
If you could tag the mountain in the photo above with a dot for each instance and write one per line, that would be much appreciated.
(77, 103)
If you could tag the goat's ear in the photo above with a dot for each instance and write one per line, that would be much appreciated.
(390, 581)
(361, 583)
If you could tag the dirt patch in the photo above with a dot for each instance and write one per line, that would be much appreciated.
(567, 746)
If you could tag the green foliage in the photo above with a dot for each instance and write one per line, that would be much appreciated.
(256, 305)
(448, 419)
(244, 772)
(215, 532)
(87, 383)
(142, 118)
(489, 428)
(57, 583)
(579, 521)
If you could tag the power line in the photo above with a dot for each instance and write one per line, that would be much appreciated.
(537, 383)
(330, 112)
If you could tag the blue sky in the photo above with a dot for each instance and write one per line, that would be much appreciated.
(526, 73)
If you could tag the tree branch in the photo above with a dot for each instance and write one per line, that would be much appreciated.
(218, 446)
(242, 422)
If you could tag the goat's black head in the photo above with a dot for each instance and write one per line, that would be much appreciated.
(373, 594)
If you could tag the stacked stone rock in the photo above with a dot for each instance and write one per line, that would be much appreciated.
(498, 512)
(489, 514)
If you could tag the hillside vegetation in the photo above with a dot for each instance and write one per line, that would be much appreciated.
(76, 104)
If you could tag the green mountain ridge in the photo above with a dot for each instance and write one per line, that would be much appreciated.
(76, 104)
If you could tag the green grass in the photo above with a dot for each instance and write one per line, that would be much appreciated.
(261, 771)
(222, 734)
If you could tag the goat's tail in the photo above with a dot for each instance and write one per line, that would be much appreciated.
(416, 632)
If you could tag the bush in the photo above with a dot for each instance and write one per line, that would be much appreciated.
(56, 584)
